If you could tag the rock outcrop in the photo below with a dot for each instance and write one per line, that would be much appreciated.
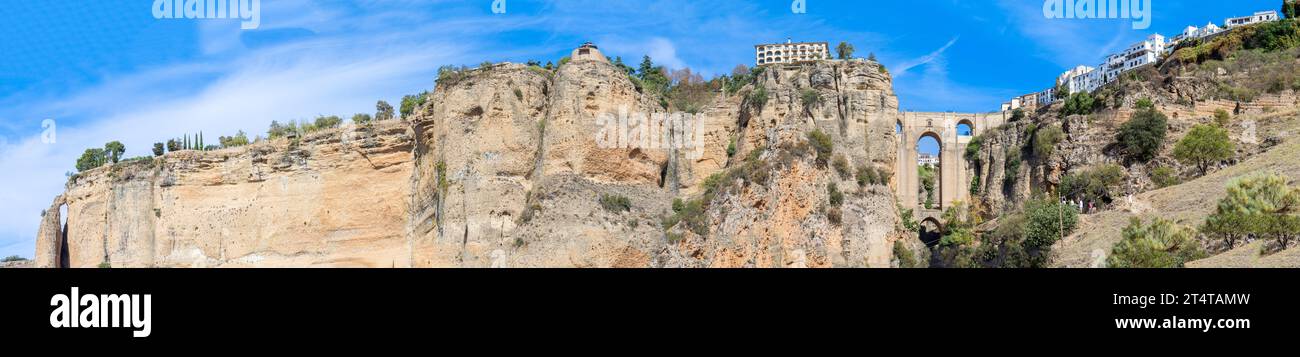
(507, 166)
(333, 198)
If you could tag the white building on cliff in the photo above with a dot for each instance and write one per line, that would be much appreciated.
(791, 52)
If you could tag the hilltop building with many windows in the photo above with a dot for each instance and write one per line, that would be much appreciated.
(1258, 17)
(1155, 47)
(791, 52)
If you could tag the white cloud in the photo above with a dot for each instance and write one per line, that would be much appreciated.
(901, 70)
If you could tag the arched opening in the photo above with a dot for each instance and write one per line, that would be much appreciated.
(62, 260)
(965, 128)
(931, 232)
(928, 171)
(898, 127)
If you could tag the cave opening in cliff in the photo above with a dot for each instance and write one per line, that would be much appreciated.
(929, 173)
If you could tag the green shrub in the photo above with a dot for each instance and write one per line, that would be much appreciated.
(105, 265)
(1017, 115)
(327, 122)
(1011, 167)
(1092, 185)
(240, 139)
(1164, 177)
(1222, 118)
(1045, 222)
(1162, 244)
(810, 98)
(758, 97)
(12, 258)
(731, 148)
(908, 219)
(615, 203)
(1045, 141)
(972, 154)
(383, 111)
(412, 102)
(926, 175)
(842, 167)
(1142, 136)
(906, 259)
(113, 151)
(158, 149)
(361, 118)
(866, 176)
(835, 216)
(1204, 145)
(692, 217)
(91, 159)
(1079, 104)
(823, 144)
(1261, 206)
(833, 192)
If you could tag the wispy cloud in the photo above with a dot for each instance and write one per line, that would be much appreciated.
(901, 70)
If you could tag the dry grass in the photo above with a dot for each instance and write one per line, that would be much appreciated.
(1190, 202)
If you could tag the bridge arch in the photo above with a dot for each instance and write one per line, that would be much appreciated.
(954, 173)
(931, 231)
(930, 198)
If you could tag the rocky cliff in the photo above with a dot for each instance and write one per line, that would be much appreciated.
(333, 198)
(504, 166)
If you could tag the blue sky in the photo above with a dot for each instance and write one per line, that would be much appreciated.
(108, 70)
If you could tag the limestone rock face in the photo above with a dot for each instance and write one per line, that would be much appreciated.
(778, 213)
(516, 166)
(583, 92)
(334, 198)
(49, 239)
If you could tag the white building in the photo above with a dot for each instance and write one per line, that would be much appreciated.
(1088, 79)
(789, 52)
(927, 159)
(1076, 80)
(1193, 32)
(1258, 17)
(1045, 98)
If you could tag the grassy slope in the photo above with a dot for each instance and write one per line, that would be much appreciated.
(1189, 204)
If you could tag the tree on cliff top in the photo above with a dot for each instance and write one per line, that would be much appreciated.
(845, 50)
(90, 159)
(113, 151)
(412, 102)
(383, 111)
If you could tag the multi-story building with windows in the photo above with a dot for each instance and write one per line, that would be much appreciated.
(1155, 47)
(1258, 17)
(924, 159)
(791, 52)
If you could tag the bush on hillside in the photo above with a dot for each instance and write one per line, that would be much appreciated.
(1162, 244)
(1204, 146)
(1142, 136)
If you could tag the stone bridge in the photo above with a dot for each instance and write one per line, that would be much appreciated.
(953, 175)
